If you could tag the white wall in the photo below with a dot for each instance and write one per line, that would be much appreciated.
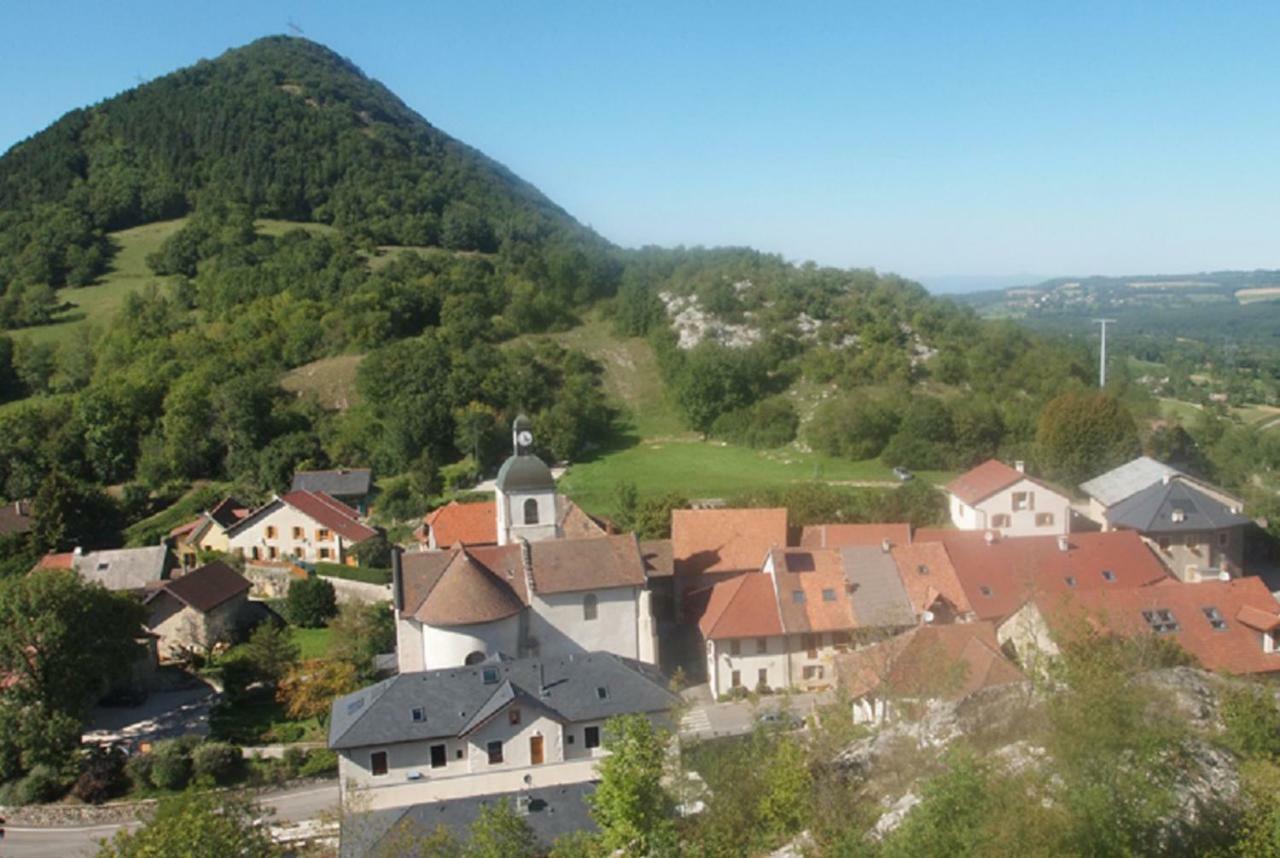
(449, 646)
(750, 662)
(511, 524)
(556, 622)
(1026, 631)
(284, 519)
(1022, 522)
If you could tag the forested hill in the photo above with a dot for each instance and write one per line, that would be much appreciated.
(284, 126)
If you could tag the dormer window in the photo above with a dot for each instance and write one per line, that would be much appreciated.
(1108, 576)
(1215, 618)
(418, 714)
(602, 693)
(531, 511)
(1161, 620)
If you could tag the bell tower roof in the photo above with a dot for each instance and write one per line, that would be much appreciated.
(524, 473)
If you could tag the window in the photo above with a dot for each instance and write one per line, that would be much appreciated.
(272, 553)
(1044, 519)
(762, 646)
(1023, 500)
(418, 714)
(103, 567)
(494, 749)
(1160, 620)
(590, 606)
(531, 511)
(325, 554)
(1071, 581)
(801, 562)
(735, 647)
(1163, 542)
(378, 763)
(439, 756)
(985, 590)
(922, 569)
(602, 693)
(489, 675)
(323, 535)
(513, 717)
(1215, 618)
(735, 679)
(254, 552)
(813, 671)
(271, 531)
(457, 755)
(797, 597)
(299, 533)
(840, 640)
(591, 737)
(568, 738)
(1108, 576)
(1000, 520)
(1223, 538)
(810, 645)
(762, 678)
(828, 595)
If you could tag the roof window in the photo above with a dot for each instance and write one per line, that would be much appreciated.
(1108, 575)
(1071, 580)
(602, 693)
(355, 706)
(419, 714)
(1215, 618)
(802, 562)
(489, 675)
(1161, 620)
(797, 596)
(922, 569)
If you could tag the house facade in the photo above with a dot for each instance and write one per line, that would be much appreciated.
(491, 727)
(1123, 482)
(301, 525)
(997, 497)
(196, 611)
(208, 532)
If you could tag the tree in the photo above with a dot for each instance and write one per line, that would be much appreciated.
(359, 633)
(271, 651)
(499, 832)
(197, 824)
(311, 602)
(630, 805)
(1081, 434)
(308, 689)
(63, 642)
(70, 514)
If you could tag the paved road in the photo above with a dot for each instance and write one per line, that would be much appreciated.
(291, 806)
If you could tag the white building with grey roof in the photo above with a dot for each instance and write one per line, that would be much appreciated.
(495, 727)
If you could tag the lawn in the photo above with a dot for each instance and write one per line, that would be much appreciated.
(710, 469)
(332, 380)
(312, 643)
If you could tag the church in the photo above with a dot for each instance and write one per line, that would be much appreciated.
(544, 586)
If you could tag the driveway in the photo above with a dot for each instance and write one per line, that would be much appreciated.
(163, 715)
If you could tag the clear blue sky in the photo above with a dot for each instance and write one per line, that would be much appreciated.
(929, 139)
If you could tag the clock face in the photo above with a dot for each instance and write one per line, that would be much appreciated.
(525, 438)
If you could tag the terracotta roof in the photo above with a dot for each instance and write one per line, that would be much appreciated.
(59, 560)
(184, 529)
(333, 514)
(929, 662)
(205, 588)
(467, 523)
(928, 575)
(725, 540)
(574, 523)
(742, 607)
(568, 565)
(848, 535)
(1000, 576)
(656, 554)
(812, 590)
(1214, 621)
(985, 480)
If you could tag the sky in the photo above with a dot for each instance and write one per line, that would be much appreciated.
(963, 144)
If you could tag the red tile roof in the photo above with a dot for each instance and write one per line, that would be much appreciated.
(1236, 647)
(1000, 576)
(929, 662)
(333, 514)
(742, 607)
(466, 523)
(725, 540)
(62, 560)
(184, 529)
(817, 574)
(983, 481)
(850, 535)
(928, 575)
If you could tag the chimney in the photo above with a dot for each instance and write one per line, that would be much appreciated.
(989, 537)
(1165, 478)
(1020, 466)
(885, 545)
(1063, 543)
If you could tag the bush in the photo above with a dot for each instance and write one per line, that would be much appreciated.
(138, 770)
(102, 775)
(312, 602)
(171, 766)
(293, 760)
(285, 733)
(42, 784)
(1252, 722)
(319, 762)
(769, 423)
(238, 673)
(220, 761)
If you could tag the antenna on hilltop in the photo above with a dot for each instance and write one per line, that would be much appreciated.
(1102, 355)
(293, 27)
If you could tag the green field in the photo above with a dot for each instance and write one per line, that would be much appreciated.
(331, 380)
(313, 643)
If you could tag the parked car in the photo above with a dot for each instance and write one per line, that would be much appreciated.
(902, 474)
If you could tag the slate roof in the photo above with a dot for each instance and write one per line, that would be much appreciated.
(1173, 507)
(228, 511)
(876, 590)
(929, 662)
(1127, 480)
(553, 813)
(451, 698)
(123, 568)
(205, 588)
(850, 535)
(1228, 641)
(339, 482)
(705, 541)
(524, 473)
(1000, 576)
(927, 574)
(467, 523)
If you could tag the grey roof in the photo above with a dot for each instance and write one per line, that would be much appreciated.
(1127, 480)
(524, 474)
(1153, 510)
(553, 812)
(341, 482)
(878, 595)
(453, 698)
(124, 568)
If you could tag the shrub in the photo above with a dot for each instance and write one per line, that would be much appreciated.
(312, 602)
(138, 770)
(293, 760)
(102, 775)
(218, 760)
(284, 733)
(319, 762)
(238, 673)
(1252, 722)
(42, 783)
(769, 423)
(171, 766)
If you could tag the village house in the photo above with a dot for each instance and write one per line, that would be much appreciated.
(125, 570)
(945, 662)
(994, 496)
(782, 626)
(931, 582)
(1108, 489)
(207, 533)
(302, 525)
(350, 486)
(492, 727)
(1227, 626)
(1000, 574)
(713, 545)
(196, 611)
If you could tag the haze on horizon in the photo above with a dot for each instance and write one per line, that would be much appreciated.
(956, 146)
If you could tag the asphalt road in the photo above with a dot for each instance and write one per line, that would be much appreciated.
(78, 842)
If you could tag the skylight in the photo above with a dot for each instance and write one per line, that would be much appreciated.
(922, 569)
(602, 692)
(1108, 575)
(984, 590)
(1161, 620)
(490, 675)
(1215, 618)
(419, 714)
